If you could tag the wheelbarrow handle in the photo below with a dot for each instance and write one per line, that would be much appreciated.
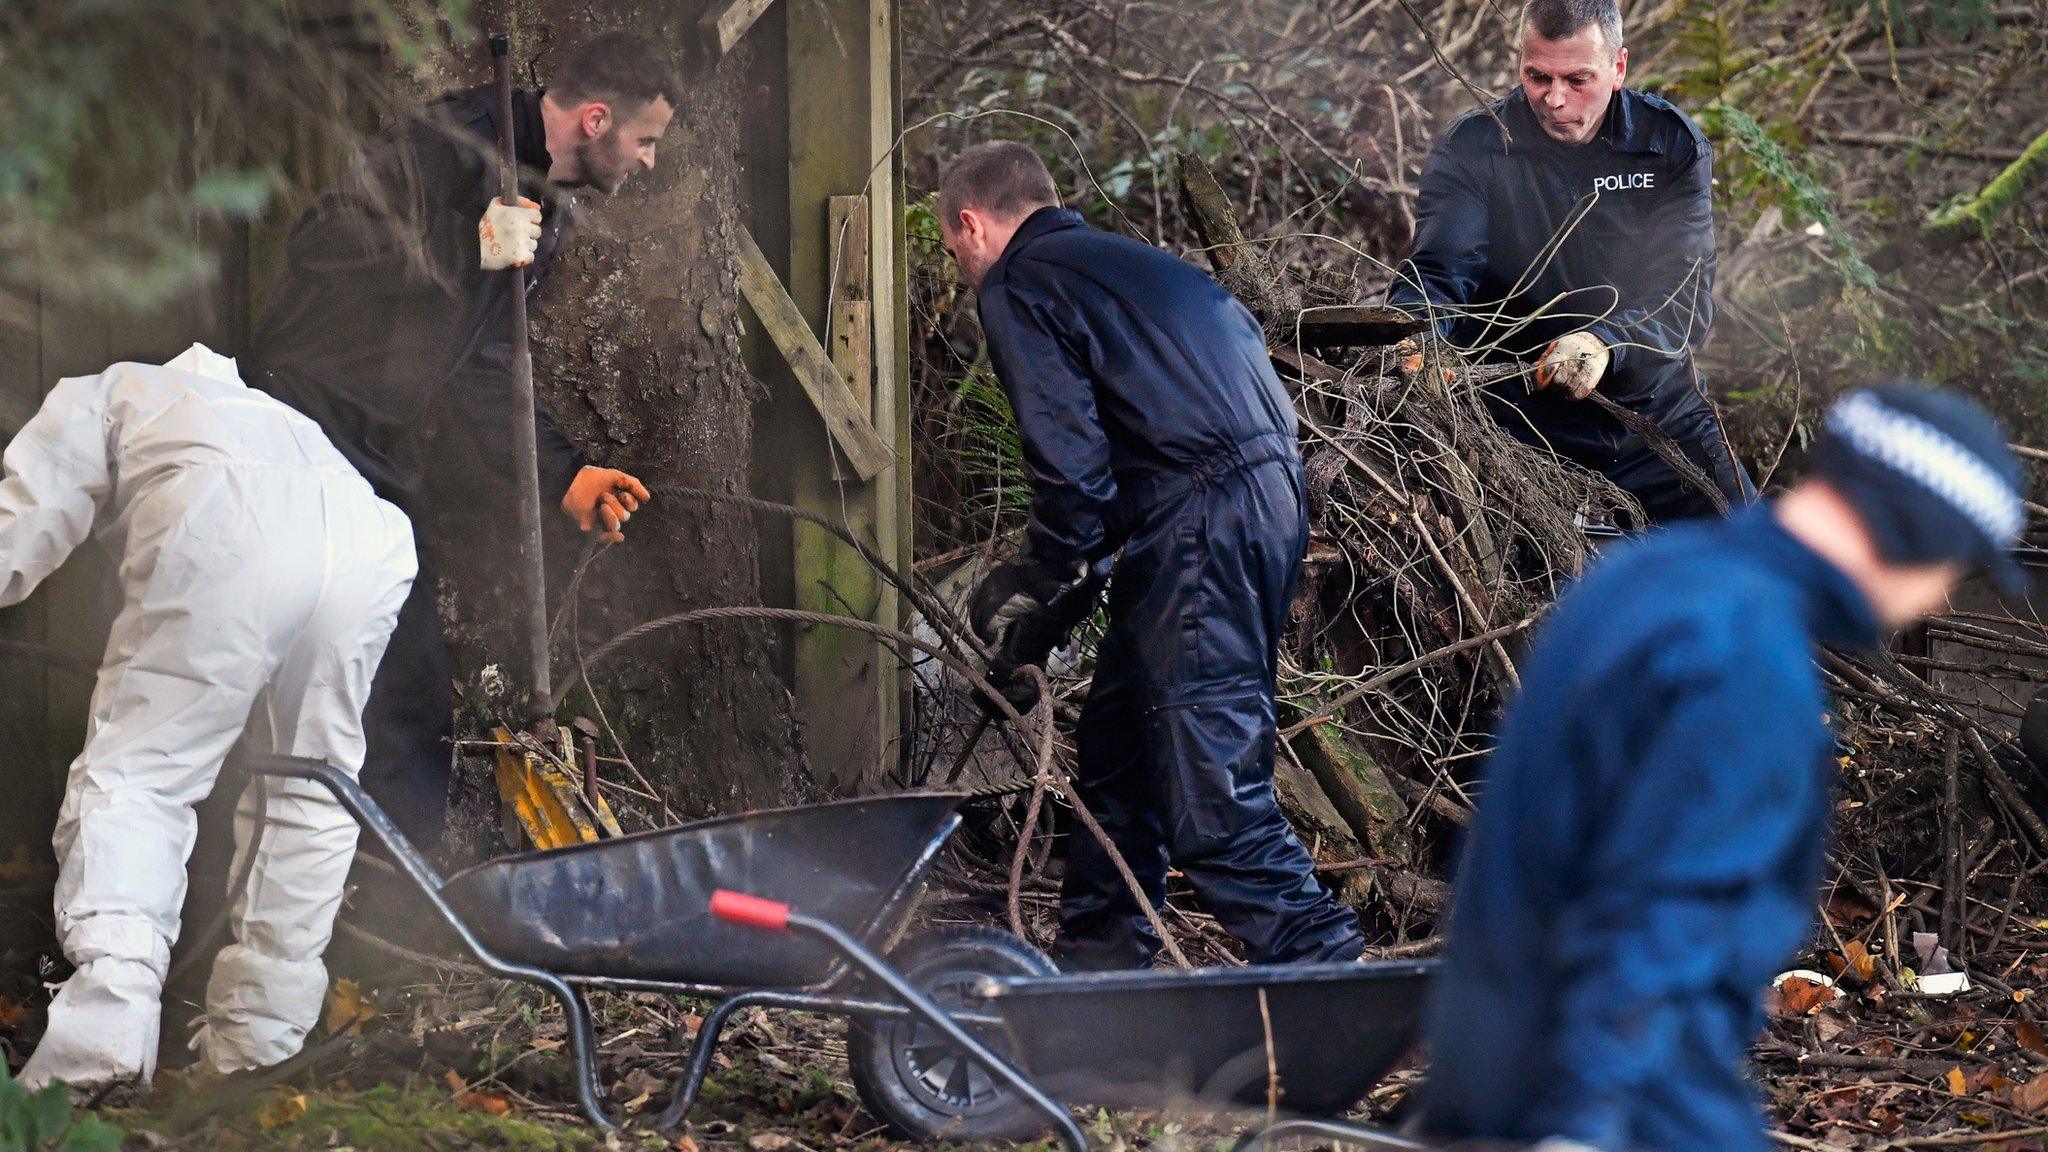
(756, 912)
(750, 911)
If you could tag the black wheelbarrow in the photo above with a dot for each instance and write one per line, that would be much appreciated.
(1305, 1042)
(635, 914)
(940, 1029)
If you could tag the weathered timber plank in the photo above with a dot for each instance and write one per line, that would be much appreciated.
(845, 419)
(722, 25)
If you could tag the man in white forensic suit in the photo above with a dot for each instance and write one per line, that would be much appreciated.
(262, 578)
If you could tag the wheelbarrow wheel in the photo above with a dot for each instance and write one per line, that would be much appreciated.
(913, 1079)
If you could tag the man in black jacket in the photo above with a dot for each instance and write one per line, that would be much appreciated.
(1152, 424)
(1571, 224)
(394, 310)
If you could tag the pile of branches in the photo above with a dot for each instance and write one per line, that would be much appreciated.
(1437, 538)
(1438, 541)
(1870, 218)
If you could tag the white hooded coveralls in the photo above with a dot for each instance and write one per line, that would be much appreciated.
(262, 579)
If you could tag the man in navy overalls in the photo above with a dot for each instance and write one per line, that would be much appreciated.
(1154, 431)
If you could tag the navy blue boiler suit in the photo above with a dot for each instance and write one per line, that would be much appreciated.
(1647, 848)
(1152, 422)
(1635, 268)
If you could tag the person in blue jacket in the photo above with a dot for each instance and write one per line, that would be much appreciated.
(1154, 431)
(1571, 224)
(1649, 842)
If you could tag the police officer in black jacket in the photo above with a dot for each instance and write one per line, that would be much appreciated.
(393, 310)
(1581, 237)
(1155, 432)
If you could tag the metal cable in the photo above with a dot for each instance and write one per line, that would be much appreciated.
(967, 672)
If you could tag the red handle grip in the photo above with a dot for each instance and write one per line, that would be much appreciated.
(750, 911)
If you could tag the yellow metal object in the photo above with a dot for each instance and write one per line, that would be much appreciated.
(545, 802)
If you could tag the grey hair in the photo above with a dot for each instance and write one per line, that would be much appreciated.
(1000, 176)
(1562, 19)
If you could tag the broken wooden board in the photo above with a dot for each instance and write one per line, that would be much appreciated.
(1302, 367)
(850, 332)
(723, 24)
(1360, 790)
(845, 419)
(542, 805)
(1355, 326)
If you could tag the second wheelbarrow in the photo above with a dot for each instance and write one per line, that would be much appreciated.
(1303, 1041)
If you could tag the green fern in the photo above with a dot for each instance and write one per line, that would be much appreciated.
(1776, 177)
(989, 446)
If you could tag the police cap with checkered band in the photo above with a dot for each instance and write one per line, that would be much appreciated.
(1930, 474)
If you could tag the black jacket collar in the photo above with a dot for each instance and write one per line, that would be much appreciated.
(1629, 126)
(1050, 218)
(470, 117)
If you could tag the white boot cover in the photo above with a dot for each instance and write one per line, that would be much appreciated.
(258, 1009)
(103, 1027)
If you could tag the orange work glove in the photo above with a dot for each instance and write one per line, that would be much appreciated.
(603, 498)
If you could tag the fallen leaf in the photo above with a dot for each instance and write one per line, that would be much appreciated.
(770, 1142)
(489, 1103)
(2030, 1037)
(632, 1107)
(285, 1108)
(638, 1082)
(1845, 908)
(684, 1144)
(1829, 1025)
(2033, 1095)
(468, 1100)
(12, 1015)
(1860, 963)
(348, 1009)
(1956, 1085)
(1802, 997)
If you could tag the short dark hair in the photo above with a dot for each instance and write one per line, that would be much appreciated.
(1000, 176)
(1563, 19)
(622, 69)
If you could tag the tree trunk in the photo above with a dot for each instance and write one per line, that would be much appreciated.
(636, 342)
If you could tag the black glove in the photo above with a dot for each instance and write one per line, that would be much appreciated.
(2034, 730)
(1023, 611)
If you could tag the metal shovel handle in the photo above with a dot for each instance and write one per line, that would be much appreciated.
(526, 468)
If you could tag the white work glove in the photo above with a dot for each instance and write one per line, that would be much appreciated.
(509, 234)
(1573, 364)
